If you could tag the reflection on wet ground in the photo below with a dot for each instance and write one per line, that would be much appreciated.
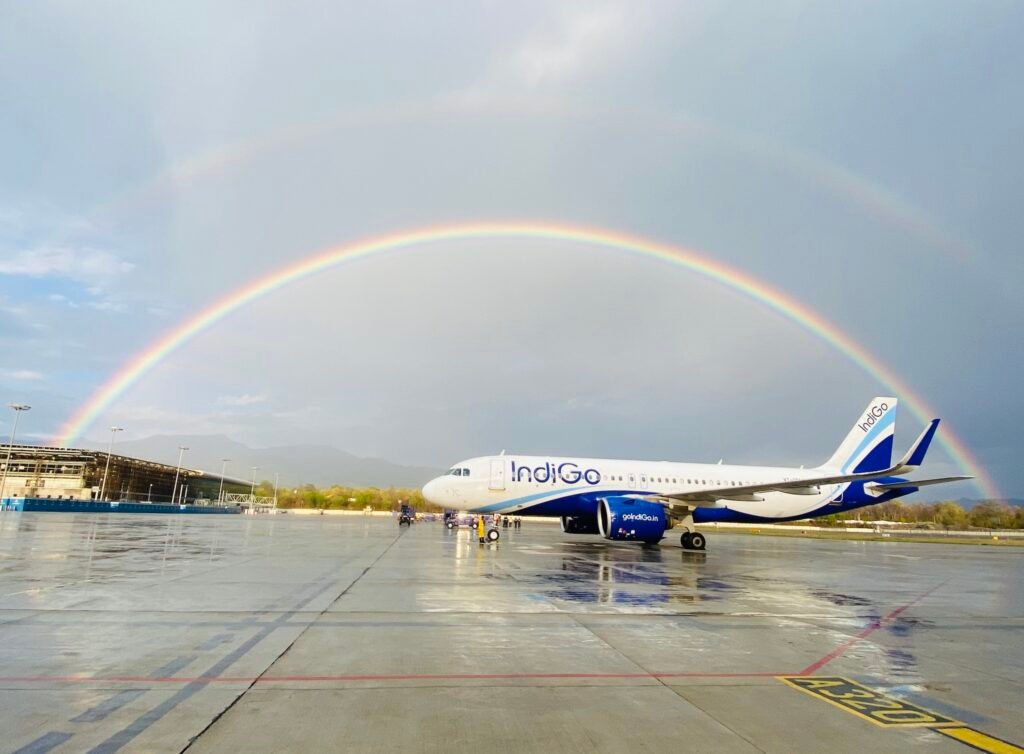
(110, 547)
(292, 633)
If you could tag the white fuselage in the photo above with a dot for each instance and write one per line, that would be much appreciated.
(517, 484)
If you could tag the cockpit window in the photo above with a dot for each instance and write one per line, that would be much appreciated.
(465, 472)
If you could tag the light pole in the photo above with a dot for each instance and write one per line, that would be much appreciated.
(252, 489)
(181, 452)
(18, 408)
(223, 466)
(149, 495)
(277, 478)
(106, 470)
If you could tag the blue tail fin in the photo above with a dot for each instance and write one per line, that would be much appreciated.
(915, 456)
(868, 445)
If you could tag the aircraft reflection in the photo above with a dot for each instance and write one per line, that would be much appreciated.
(630, 577)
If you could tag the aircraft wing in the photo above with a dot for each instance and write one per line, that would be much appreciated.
(811, 485)
(749, 493)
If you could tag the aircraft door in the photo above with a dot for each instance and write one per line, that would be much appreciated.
(497, 474)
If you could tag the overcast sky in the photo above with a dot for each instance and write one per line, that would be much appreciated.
(866, 158)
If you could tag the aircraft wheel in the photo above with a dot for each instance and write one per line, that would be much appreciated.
(697, 541)
(685, 540)
(493, 535)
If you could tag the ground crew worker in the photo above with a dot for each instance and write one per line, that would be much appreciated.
(481, 529)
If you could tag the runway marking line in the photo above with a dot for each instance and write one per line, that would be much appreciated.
(981, 741)
(868, 704)
(887, 712)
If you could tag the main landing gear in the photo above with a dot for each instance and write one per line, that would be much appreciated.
(693, 540)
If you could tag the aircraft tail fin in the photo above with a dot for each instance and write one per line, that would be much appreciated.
(868, 445)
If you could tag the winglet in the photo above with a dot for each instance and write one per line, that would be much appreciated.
(915, 456)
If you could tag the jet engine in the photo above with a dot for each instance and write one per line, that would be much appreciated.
(579, 524)
(622, 518)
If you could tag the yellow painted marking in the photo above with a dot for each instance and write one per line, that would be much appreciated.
(981, 741)
(868, 704)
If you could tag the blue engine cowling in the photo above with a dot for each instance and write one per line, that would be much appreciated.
(622, 518)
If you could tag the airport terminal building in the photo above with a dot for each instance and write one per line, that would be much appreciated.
(76, 474)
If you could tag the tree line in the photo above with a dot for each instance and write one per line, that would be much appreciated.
(991, 514)
(340, 497)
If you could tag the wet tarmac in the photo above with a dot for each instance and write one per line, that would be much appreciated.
(289, 633)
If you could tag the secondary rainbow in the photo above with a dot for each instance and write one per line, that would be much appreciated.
(145, 360)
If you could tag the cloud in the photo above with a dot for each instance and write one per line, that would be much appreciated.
(94, 267)
(21, 374)
(60, 298)
(242, 400)
(583, 38)
(12, 310)
(150, 419)
(107, 305)
(562, 47)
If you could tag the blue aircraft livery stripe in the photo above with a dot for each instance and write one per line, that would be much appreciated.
(871, 436)
(527, 499)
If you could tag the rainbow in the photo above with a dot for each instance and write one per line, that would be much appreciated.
(147, 359)
(880, 202)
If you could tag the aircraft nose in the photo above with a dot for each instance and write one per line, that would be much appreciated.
(432, 491)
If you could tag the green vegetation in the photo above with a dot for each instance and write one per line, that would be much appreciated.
(944, 515)
(345, 498)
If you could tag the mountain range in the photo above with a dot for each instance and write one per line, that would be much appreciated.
(321, 465)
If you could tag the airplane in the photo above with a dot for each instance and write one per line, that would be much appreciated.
(640, 500)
